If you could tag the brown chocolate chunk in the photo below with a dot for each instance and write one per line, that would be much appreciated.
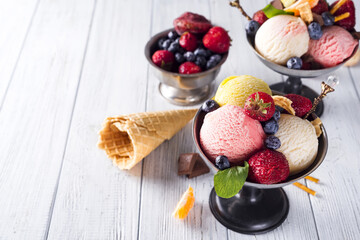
(277, 4)
(186, 163)
(200, 168)
(318, 18)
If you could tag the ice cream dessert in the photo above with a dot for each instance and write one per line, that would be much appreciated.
(282, 37)
(256, 141)
(299, 142)
(304, 34)
(229, 131)
(335, 45)
(235, 90)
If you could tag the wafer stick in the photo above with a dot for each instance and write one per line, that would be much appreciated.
(306, 189)
(315, 180)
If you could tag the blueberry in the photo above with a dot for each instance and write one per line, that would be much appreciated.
(271, 126)
(252, 27)
(315, 31)
(181, 50)
(200, 52)
(200, 61)
(222, 162)
(272, 142)
(210, 64)
(190, 56)
(276, 115)
(209, 106)
(160, 42)
(179, 58)
(280, 109)
(166, 44)
(172, 35)
(174, 47)
(294, 63)
(328, 18)
(177, 40)
(216, 58)
(208, 53)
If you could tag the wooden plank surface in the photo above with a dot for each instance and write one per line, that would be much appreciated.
(66, 65)
(95, 199)
(15, 22)
(36, 114)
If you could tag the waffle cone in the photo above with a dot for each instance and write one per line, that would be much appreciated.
(127, 139)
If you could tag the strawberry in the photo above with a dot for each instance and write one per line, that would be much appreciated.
(260, 106)
(321, 7)
(300, 104)
(349, 22)
(163, 59)
(188, 41)
(189, 68)
(268, 167)
(260, 17)
(217, 40)
(191, 22)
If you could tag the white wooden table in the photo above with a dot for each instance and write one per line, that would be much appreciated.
(66, 65)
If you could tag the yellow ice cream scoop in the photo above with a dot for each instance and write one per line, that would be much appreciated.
(235, 90)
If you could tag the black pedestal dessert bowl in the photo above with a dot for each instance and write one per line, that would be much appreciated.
(293, 83)
(257, 208)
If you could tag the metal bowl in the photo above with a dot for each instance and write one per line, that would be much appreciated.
(293, 72)
(182, 89)
(257, 208)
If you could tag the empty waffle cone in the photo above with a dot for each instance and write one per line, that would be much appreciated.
(127, 139)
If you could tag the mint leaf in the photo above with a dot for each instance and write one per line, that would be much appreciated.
(229, 182)
(270, 11)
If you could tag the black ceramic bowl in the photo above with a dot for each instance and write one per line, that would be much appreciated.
(257, 208)
(182, 89)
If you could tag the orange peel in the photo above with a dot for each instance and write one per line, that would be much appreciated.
(185, 204)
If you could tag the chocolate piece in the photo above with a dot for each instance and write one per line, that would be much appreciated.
(318, 18)
(200, 168)
(186, 163)
(277, 4)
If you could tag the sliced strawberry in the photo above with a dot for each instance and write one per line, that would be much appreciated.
(321, 7)
(349, 22)
(300, 104)
(260, 106)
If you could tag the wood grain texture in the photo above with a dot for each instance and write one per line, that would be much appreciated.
(15, 21)
(161, 187)
(36, 114)
(336, 206)
(95, 199)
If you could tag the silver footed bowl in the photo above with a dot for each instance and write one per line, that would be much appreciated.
(293, 72)
(182, 89)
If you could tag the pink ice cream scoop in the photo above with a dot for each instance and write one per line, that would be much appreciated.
(229, 131)
(335, 45)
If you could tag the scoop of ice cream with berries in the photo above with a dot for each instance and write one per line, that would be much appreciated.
(249, 130)
(305, 34)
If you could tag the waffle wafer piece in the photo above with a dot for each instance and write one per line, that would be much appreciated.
(317, 123)
(127, 139)
(353, 60)
(285, 103)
